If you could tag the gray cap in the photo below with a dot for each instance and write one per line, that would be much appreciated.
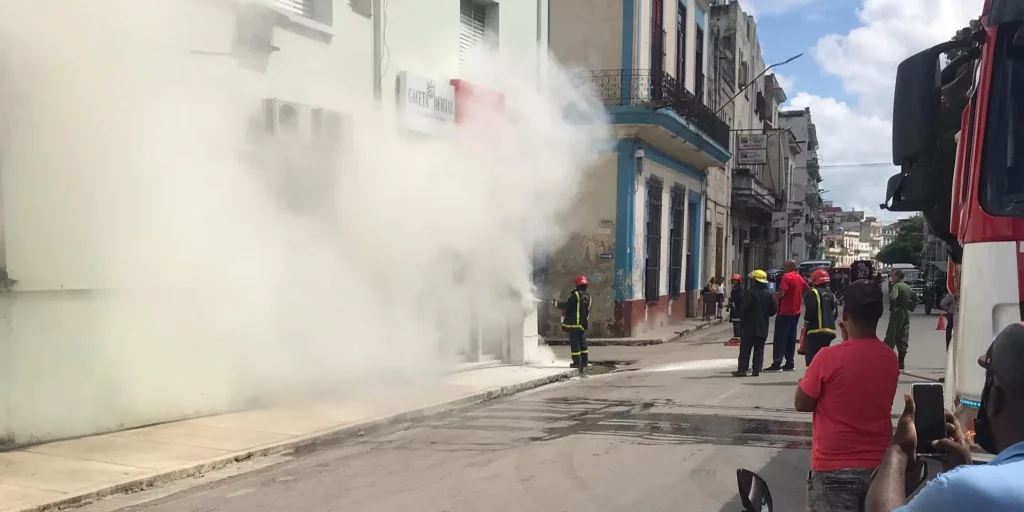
(1005, 357)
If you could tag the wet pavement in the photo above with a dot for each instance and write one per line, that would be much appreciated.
(661, 433)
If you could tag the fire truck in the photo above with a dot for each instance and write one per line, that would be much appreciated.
(961, 157)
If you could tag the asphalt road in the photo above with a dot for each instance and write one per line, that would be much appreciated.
(665, 434)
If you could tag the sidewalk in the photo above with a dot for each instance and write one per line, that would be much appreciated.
(67, 473)
(657, 337)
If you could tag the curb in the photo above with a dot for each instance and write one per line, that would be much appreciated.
(637, 342)
(369, 426)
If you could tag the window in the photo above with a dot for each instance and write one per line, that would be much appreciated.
(318, 10)
(698, 87)
(675, 241)
(658, 39)
(478, 22)
(652, 267)
(681, 43)
(300, 7)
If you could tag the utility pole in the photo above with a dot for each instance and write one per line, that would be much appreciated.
(378, 48)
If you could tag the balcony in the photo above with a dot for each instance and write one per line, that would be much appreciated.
(656, 90)
(749, 194)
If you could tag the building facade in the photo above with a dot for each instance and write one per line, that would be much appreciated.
(291, 85)
(644, 210)
(805, 200)
(750, 102)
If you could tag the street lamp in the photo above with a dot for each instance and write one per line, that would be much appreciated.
(787, 61)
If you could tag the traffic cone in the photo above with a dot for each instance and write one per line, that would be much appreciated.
(942, 322)
(803, 342)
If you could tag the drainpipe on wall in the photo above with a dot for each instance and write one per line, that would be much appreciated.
(378, 48)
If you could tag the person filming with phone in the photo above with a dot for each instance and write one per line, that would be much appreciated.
(849, 387)
(995, 487)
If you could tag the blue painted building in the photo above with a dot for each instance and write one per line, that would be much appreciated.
(640, 218)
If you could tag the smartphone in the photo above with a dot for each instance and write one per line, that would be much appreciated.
(929, 417)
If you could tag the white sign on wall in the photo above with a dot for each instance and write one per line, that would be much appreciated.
(424, 104)
(779, 220)
(751, 156)
(758, 141)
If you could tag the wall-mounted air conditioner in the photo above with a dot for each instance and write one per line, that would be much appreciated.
(302, 125)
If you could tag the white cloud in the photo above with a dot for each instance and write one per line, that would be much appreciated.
(773, 7)
(787, 82)
(865, 60)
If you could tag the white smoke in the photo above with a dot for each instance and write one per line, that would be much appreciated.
(216, 276)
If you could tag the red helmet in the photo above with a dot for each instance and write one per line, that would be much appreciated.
(737, 277)
(820, 276)
(581, 281)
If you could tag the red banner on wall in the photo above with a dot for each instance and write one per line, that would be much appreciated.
(472, 99)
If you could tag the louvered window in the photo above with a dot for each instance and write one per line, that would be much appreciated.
(300, 7)
(473, 17)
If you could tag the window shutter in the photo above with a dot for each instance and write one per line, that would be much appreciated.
(300, 7)
(471, 32)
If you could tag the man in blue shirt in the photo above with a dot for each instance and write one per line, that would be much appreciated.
(995, 487)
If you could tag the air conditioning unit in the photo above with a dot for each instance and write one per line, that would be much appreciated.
(285, 120)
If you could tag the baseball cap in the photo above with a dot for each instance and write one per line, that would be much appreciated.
(1005, 357)
(864, 300)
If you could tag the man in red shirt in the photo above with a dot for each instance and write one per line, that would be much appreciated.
(850, 388)
(790, 294)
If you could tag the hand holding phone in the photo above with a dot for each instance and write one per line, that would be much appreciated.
(929, 416)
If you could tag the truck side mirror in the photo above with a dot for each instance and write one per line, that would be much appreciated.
(916, 106)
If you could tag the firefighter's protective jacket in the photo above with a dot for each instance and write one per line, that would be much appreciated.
(820, 311)
(576, 310)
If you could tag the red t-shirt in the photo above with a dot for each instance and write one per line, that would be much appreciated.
(794, 286)
(854, 382)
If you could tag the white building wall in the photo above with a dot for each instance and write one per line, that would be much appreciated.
(69, 311)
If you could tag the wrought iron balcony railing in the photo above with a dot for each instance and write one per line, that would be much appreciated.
(656, 90)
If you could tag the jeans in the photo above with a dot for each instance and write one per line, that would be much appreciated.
(750, 344)
(578, 348)
(784, 344)
(841, 490)
(816, 342)
(737, 329)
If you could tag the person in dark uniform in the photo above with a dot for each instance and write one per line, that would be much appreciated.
(820, 314)
(575, 319)
(755, 311)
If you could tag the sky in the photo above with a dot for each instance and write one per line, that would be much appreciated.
(851, 50)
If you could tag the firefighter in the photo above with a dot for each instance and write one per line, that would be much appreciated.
(575, 319)
(820, 314)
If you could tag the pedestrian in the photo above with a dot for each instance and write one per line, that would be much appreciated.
(575, 320)
(902, 300)
(992, 487)
(720, 294)
(735, 303)
(950, 305)
(708, 298)
(790, 296)
(820, 314)
(756, 308)
(849, 387)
